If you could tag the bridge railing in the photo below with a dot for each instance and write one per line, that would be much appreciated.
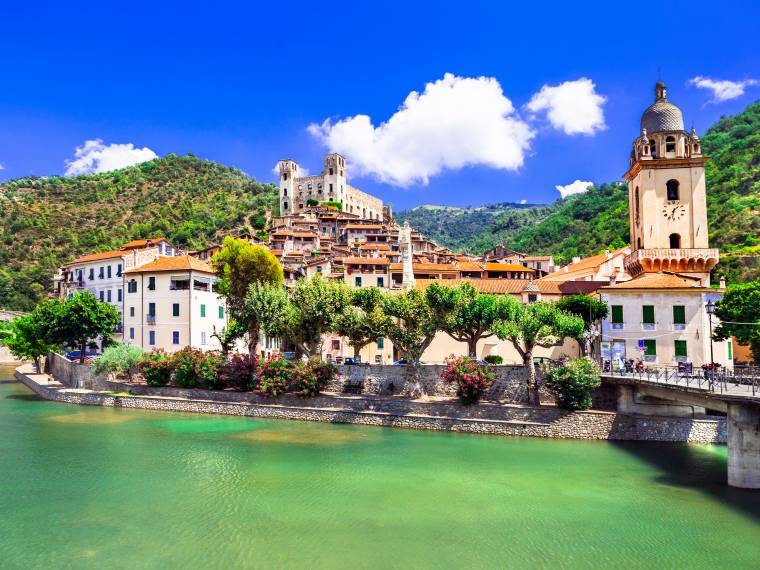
(720, 381)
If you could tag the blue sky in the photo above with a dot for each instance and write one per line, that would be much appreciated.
(242, 83)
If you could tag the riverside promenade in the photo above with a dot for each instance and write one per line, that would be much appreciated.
(434, 413)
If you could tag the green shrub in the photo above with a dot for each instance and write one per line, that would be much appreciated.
(276, 374)
(183, 362)
(157, 368)
(494, 359)
(312, 202)
(573, 383)
(336, 205)
(471, 378)
(119, 358)
(240, 371)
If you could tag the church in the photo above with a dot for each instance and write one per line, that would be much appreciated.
(661, 315)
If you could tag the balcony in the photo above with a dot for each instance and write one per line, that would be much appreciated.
(686, 260)
(151, 319)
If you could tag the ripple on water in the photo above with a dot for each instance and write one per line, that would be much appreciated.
(307, 435)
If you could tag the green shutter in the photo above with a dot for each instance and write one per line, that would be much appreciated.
(648, 314)
(651, 347)
(730, 349)
(680, 348)
(151, 283)
(175, 310)
(203, 310)
(221, 312)
(617, 314)
(152, 309)
(679, 315)
(380, 343)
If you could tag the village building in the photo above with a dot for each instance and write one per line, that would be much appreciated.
(171, 303)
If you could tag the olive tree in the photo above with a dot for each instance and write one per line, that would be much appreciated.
(359, 322)
(588, 308)
(533, 325)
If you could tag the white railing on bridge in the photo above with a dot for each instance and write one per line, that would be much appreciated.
(739, 381)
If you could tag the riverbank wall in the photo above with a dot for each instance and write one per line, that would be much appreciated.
(439, 414)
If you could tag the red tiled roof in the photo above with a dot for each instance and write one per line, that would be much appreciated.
(177, 263)
(366, 261)
(99, 256)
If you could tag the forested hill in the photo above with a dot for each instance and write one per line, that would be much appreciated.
(584, 224)
(47, 221)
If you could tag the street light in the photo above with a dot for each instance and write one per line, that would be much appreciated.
(710, 308)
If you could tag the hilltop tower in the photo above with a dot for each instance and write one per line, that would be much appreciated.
(667, 196)
(288, 173)
(335, 178)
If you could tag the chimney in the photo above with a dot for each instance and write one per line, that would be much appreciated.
(613, 279)
(722, 282)
(608, 253)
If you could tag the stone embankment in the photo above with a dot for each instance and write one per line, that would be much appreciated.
(438, 413)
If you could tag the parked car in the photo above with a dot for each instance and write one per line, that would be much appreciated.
(89, 356)
(351, 361)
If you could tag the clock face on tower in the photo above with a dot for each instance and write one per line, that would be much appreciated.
(674, 211)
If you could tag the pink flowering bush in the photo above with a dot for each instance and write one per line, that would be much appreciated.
(471, 378)
(311, 378)
(157, 368)
(239, 371)
(275, 375)
(197, 369)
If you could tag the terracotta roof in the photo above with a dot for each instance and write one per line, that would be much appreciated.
(507, 267)
(304, 235)
(588, 263)
(661, 280)
(98, 256)
(495, 286)
(537, 258)
(142, 242)
(177, 263)
(364, 227)
(469, 266)
(366, 261)
(433, 267)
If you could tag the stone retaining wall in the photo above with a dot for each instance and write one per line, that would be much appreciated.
(73, 374)
(395, 412)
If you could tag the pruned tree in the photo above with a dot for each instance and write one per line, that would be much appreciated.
(409, 321)
(739, 312)
(359, 322)
(533, 325)
(25, 338)
(467, 315)
(588, 308)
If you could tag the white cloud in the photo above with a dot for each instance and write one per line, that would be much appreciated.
(2, 167)
(95, 156)
(455, 122)
(523, 201)
(301, 170)
(723, 90)
(573, 106)
(577, 187)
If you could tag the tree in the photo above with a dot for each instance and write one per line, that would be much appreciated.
(266, 307)
(537, 324)
(79, 319)
(239, 264)
(119, 358)
(229, 335)
(409, 321)
(739, 312)
(314, 309)
(573, 383)
(358, 323)
(466, 315)
(589, 309)
(25, 338)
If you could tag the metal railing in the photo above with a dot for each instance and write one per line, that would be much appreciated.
(741, 380)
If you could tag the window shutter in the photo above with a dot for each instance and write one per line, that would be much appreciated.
(680, 348)
(679, 314)
(651, 347)
(617, 314)
(648, 314)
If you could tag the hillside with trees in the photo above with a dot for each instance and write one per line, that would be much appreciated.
(584, 224)
(47, 221)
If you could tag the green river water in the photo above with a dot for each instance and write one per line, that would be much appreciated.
(88, 487)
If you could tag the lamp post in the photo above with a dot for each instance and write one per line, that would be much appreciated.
(710, 308)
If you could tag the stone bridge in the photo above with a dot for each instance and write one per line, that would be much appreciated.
(669, 392)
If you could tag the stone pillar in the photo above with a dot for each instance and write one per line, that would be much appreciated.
(743, 445)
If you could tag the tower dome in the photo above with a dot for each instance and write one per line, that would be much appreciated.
(661, 115)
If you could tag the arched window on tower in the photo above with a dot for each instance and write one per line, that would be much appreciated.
(284, 191)
(653, 148)
(675, 241)
(284, 205)
(670, 144)
(672, 188)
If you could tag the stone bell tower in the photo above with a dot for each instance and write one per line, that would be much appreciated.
(668, 196)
